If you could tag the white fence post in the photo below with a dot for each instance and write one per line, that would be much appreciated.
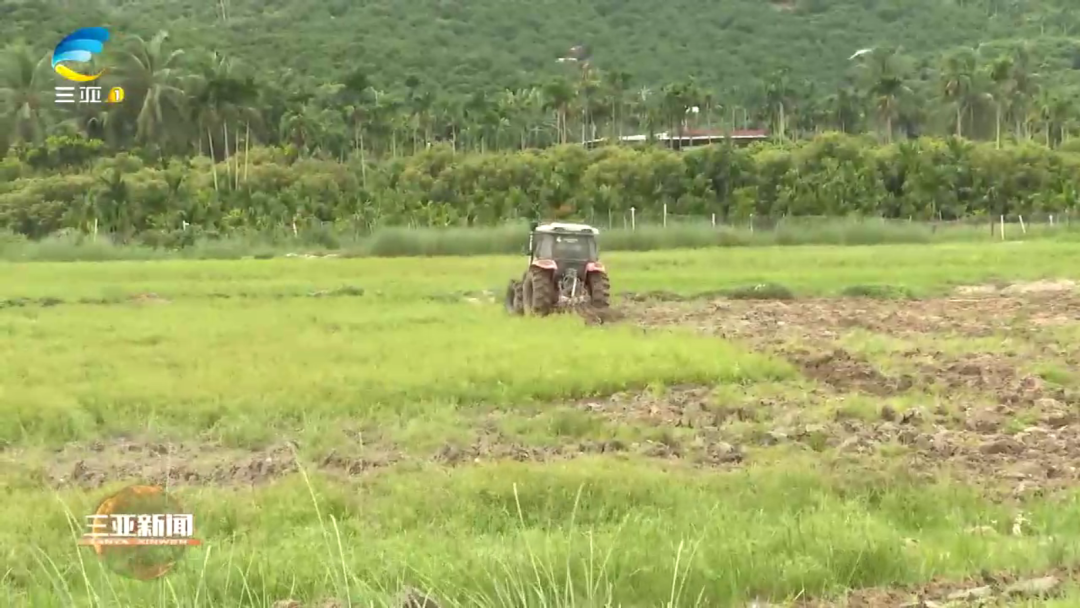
(633, 218)
(1023, 229)
(714, 220)
(665, 215)
(1003, 227)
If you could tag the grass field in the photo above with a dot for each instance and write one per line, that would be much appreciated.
(342, 428)
(511, 239)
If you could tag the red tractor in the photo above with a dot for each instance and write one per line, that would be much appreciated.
(564, 272)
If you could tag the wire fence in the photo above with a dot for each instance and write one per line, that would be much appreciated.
(784, 228)
(999, 225)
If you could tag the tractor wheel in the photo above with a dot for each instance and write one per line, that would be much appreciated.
(599, 287)
(543, 295)
(526, 294)
(513, 302)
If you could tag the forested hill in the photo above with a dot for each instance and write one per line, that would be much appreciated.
(467, 45)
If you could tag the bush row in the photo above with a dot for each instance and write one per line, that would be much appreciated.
(273, 191)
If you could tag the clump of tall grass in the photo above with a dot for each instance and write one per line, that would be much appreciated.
(398, 242)
(73, 247)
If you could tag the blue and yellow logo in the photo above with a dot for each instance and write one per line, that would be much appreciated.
(80, 45)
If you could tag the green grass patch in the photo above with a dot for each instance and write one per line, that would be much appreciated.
(1057, 374)
(885, 292)
(246, 371)
(909, 354)
(811, 270)
(581, 534)
(762, 291)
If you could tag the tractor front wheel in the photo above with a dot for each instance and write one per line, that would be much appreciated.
(599, 287)
(543, 294)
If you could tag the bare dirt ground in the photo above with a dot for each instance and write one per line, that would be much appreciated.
(192, 463)
(990, 589)
(999, 589)
(978, 412)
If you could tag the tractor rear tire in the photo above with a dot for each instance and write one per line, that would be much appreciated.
(544, 295)
(599, 287)
(514, 303)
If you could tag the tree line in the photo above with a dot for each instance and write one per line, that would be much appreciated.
(275, 190)
(181, 104)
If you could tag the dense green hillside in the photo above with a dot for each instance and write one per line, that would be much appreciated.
(376, 79)
(462, 45)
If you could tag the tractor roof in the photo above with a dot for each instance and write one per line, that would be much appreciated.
(560, 228)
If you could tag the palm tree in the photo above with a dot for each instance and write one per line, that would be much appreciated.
(1023, 86)
(218, 97)
(808, 109)
(843, 109)
(299, 128)
(291, 90)
(589, 88)
(737, 104)
(958, 85)
(678, 99)
(22, 80)
(382, 121)
(999, 74)
(883, 74)
(617, 83)
(153, 78)
(520, 108)
(559, 94)
(650, 111)
(480, 116)
(779, 96)
(421, 102)
(1053, 110)
(450, 115)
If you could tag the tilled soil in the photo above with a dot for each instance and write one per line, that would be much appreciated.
(166, 463)
(972, 315)
(188, 463)
(201, 464)
(999, 589)
(992, 418)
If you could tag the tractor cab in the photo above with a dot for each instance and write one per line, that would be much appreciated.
(568, 245)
